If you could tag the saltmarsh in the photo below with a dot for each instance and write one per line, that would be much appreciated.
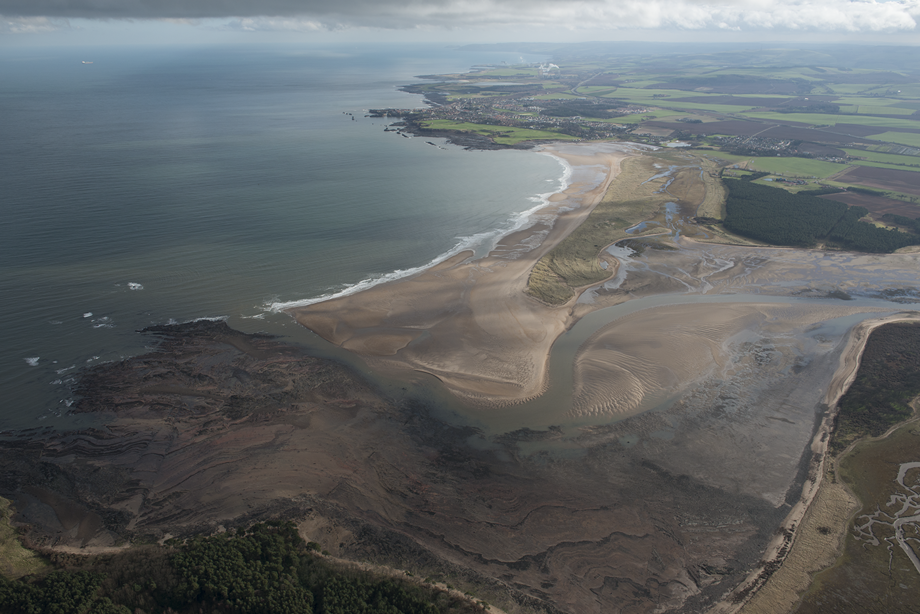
(631, 198)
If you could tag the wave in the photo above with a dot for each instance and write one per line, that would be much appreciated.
(173, 321)
(479, 243)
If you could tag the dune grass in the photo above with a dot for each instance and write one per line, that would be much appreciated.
(15, 561)
(575, 262)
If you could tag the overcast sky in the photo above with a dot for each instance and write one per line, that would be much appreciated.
(174, 21)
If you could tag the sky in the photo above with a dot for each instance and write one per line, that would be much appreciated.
(68, 22)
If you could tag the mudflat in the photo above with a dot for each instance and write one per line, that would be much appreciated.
(686, 437)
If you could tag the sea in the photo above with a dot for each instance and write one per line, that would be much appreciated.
(143, 186)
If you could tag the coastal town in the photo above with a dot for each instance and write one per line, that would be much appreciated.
(516, 113)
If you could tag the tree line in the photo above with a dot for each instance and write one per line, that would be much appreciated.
(265, 569)
(801, 220)
(887, 380)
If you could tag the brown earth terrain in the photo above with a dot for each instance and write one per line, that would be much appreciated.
(883, 179)
(218, 428)
(878, 205)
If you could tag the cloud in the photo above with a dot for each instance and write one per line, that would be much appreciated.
(311, 15)
(31, 25)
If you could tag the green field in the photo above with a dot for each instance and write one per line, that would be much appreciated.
(559, 96)
(883, 165)
(881, 110)
(823, 119)
(702, 106)
(596, 90)
(526, 71)
(885, 158)
(904, 138)
(648, 96)
(503, 135)
(797, 167)
(863, 100)
(636, 118)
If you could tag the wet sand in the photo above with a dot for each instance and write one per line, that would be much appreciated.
(679, 457)
(468, 321)
(726, 393)
(799, 547)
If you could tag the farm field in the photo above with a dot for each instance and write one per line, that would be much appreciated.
(798, 114)
(905, 138)
(877, 205)
(884, 158)
(883, 178)
(797, 167)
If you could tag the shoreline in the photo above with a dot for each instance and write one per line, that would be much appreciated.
(517, 221)
(466, 320)
(783, 546)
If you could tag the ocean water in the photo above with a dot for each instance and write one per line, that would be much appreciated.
(169, 184)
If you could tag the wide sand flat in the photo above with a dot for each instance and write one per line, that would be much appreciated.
(468, 321)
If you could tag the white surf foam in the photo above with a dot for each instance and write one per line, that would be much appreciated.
(32, 361)
(480, 243)
(209, 319)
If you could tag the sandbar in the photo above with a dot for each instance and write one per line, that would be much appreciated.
(468, 321)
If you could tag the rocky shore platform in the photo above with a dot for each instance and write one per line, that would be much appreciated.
(218, 429)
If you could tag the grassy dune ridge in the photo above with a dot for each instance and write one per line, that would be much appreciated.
(575, 261)
(631, 198)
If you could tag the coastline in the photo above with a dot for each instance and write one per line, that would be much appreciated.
(467, 320)
(471, 244)
(774, 586)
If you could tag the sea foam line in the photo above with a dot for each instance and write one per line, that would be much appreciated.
(489, 238)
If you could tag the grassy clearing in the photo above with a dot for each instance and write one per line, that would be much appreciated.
(15, 561)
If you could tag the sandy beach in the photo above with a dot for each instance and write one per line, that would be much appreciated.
(467, 321)
(652, 479)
